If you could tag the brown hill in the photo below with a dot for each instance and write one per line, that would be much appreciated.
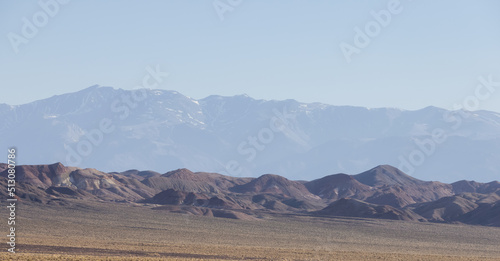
(43, 175)
(399, 189)
(385, 175)
(464, 186)
(471, 208)
(135, 185)
(401, 196)
(69, 192)
(139, 175)
(174, 197)
(382, 192)
(199, 182)
(274, 184)
(271, 202)
(53, 195)
(98, 184)
(485, 214)
(348, 207)
(447, 208)
(338, 186)
(217, 180)
(395, 196)
(382, 185)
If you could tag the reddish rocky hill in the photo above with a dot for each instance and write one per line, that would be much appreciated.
(383, 185)
(475, 187)
(382, 192)
(199, 182)
(274, 184)
(348, 207)
(385, 175)
(334, 187)
(458, 207)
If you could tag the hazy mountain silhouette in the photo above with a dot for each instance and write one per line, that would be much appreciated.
(115, 130)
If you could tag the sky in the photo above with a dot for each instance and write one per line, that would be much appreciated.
(424, 53)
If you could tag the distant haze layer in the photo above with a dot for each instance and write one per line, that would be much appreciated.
(115, 130)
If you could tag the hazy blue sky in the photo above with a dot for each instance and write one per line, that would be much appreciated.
(430, 53)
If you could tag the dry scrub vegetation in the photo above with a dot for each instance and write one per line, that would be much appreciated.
(105, 231)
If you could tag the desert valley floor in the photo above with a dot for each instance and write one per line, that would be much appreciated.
(82, 230)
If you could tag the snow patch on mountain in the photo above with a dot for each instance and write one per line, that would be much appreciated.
(242, 136)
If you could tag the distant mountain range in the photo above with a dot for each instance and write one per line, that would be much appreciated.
(114, 129)
(382, 192)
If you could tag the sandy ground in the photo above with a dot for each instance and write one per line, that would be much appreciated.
(104, 231)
